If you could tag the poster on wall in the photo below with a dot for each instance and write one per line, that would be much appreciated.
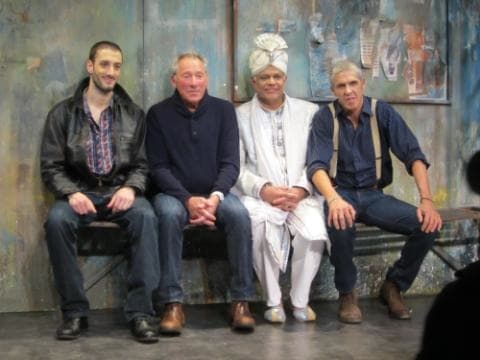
(401, 45)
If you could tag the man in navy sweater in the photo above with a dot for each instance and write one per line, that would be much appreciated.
(193, 151)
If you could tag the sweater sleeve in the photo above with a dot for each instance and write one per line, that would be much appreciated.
(228, 151)
(157, 154)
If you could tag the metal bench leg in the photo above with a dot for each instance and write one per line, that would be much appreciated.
(104, 271)
(449, 260)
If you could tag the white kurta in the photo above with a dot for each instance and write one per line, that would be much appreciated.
(259, 164)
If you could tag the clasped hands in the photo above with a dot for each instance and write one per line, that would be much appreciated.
(283, 197)
(202, 210)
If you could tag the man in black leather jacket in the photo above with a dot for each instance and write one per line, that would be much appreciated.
(93, 160)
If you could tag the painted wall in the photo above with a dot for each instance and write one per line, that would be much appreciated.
(43, 46)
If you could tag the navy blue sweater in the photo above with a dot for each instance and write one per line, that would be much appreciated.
(192, 153)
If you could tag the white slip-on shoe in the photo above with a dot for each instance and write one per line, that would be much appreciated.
(304, 314)
(275, 314)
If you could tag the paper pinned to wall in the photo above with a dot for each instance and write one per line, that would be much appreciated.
(390, 51)
(368, 34)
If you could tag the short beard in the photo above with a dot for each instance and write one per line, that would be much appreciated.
(99, 86)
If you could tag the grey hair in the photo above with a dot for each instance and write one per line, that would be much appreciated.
(188, 55)
(344, 65)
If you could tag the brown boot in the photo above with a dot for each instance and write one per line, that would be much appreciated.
(172, 320)
(390, 296)
(348, 311)
(240, 316)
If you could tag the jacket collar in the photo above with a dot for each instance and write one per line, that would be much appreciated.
(119, 93)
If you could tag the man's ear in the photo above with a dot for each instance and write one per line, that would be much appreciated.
(364, 83)
(173, 81)
(89, 66)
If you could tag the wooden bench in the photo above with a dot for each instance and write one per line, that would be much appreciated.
(102, 238)
(449, 235)
(371, 240)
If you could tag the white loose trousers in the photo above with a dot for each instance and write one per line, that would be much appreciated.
(306, 258)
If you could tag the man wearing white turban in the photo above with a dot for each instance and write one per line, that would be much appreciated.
(273, 185)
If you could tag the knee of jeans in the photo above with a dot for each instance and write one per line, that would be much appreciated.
(234, 211)
(60, 216)
(428, 238)
(169, 210)
(143, 212)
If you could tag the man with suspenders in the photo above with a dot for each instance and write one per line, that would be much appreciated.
(349, 163)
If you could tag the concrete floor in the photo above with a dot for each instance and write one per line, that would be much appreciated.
(207, 336)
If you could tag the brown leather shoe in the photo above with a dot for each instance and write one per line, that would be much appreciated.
(390, 295)
(172, 320)
(240, 316)
(348, 311)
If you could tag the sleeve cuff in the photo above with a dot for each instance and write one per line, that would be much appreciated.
(219, 194)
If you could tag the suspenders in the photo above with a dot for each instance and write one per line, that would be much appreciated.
(375, 138)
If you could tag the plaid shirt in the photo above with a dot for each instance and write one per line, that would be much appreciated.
(99, 143)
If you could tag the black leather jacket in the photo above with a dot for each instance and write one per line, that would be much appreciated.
(63, 159)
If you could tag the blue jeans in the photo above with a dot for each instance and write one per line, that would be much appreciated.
(139, 223)
(232, 219)
(390, 214)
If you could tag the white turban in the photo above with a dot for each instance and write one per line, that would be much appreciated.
(270, 52)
